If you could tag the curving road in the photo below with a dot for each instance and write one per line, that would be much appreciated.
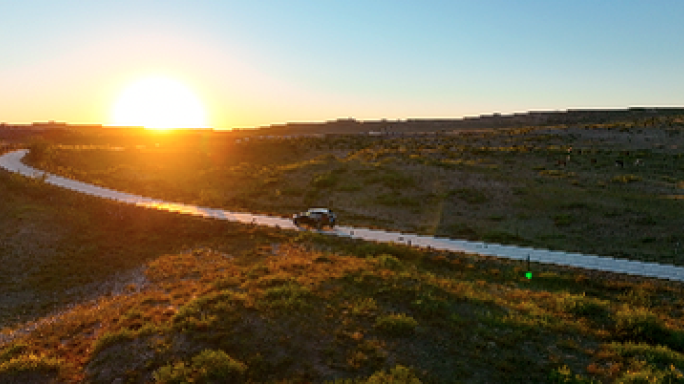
(12, 162)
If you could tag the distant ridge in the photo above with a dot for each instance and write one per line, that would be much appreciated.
(517, 120)
(353, 126)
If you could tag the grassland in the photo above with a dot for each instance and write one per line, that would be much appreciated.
(100, 292)
(551, 187)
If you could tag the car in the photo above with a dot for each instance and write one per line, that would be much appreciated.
(315, 217)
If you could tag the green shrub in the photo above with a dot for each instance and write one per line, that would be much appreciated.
(178, 373)
(430, 306)
(565, 376)
(208, 366)
(30, 363)
(396, 324)
(640, 372)
(218, 365)
(389, 262)
(580, 305)
(398, 375)
(290, 296)
(364, 307)
(640, 324)
(111, 338)
(40, 150)
(636, 297)
(203, 310)
(660, 356)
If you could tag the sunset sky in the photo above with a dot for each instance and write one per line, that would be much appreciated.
(255, 63)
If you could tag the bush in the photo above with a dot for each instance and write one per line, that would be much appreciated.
(398, 375)
(641, 372)
(111, 338)
(640, 324)
(203, 310)
(40, 150)
(364, 307)
(396, 324)
(218, 365)
(564, 375)
(389, 262)
(580, 305)
(659, 356)
(208, 366)
(430, 306)
(290, 296)
(30, 363)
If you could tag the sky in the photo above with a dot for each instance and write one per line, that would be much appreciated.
(256, 63)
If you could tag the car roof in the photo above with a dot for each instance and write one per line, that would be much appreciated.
(319, 210)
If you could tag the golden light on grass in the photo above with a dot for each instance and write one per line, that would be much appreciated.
(159, 103)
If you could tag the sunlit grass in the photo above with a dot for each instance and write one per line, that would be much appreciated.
(346, 302)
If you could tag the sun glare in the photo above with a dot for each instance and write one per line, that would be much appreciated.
(159, 103)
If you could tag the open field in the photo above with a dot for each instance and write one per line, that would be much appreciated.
(549, 187)
(99, 291)
(257, 305)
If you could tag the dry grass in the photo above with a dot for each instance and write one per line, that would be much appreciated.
(191, 299)
(311, 309)
(550, 187)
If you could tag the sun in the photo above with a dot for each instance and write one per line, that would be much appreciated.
(159, 103)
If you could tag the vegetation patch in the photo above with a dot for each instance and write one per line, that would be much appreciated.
(112, 293)
(624, 179)
(397, 324)
(208, 366)
(429, 184)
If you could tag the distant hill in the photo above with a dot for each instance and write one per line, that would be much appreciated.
(571, 116)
